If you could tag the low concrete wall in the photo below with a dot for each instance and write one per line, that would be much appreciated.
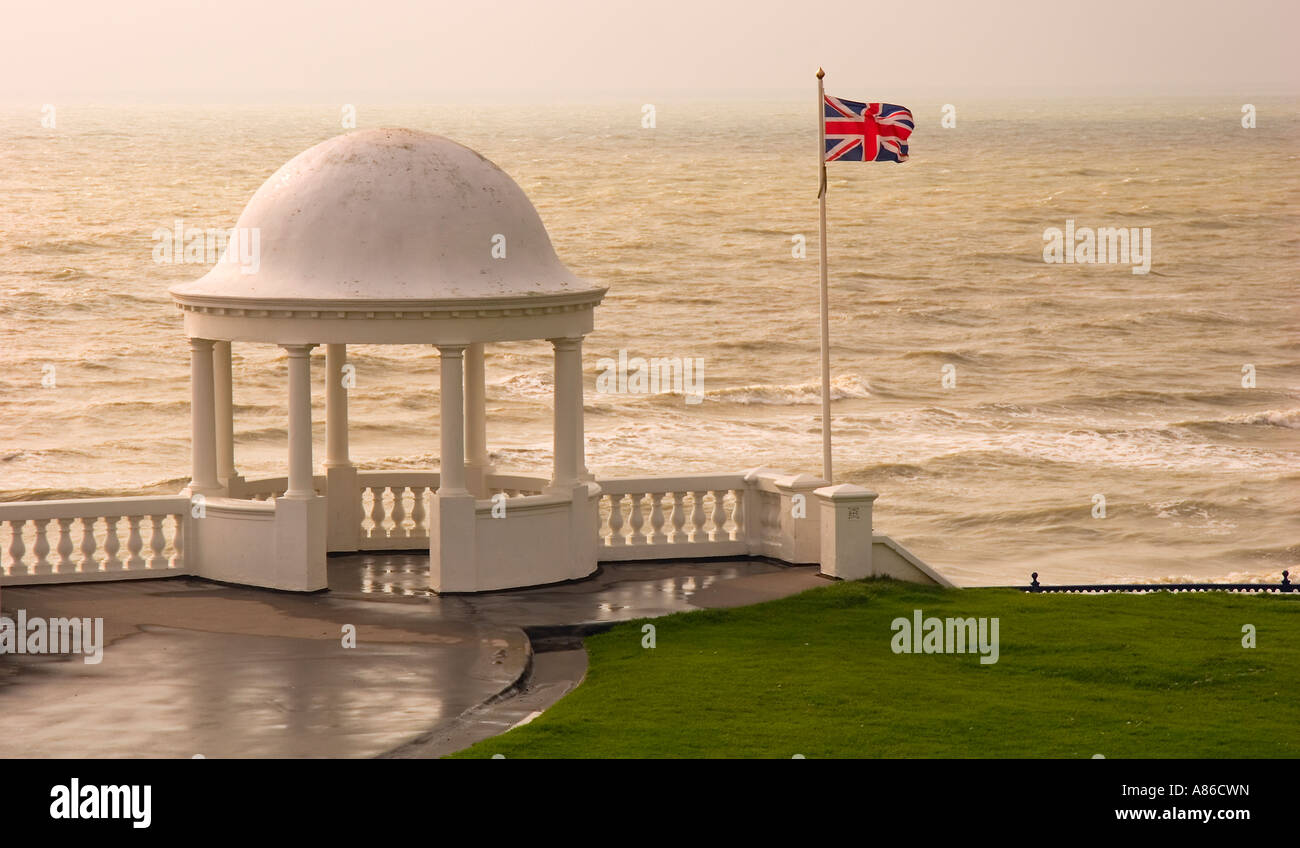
(276, 544)
(890, 559)
(513, 542)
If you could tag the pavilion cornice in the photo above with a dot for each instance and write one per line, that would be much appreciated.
(351, 308)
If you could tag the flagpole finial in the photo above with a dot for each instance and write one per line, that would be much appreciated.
(820, 73)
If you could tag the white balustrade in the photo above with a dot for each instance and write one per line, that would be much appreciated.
(639, 518)
(394, 509)
(705, 516)
(63, 541)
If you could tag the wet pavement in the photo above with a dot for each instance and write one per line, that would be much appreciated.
(195, 668)
(618, 592)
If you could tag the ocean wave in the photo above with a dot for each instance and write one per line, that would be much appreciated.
(1142, 398)
(64, 274)
(1265, 576)
(896, 470)
(842, 388)
(961, 447)
(941, 355)
(161, 487)
(530, 384)
(1286, 418)
(60, 246)
(1058, 517)
(139, 407)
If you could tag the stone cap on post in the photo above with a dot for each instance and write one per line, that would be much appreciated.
(799, 482)
(846, 492)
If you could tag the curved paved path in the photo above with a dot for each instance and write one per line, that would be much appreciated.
(194, 668)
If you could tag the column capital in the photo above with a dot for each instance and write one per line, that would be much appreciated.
(201, 344)
(451, 351)
(567, 342)
(296, 350)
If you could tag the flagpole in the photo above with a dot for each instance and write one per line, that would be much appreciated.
(825, 316)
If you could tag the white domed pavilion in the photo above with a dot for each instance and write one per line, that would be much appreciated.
(393, 236)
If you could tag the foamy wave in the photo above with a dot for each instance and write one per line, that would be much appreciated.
(532, 384)
(1194, 515)
(1260, 577)
(1288, 418)
(846, 386)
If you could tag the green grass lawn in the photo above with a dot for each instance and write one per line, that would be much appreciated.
(1120, 675)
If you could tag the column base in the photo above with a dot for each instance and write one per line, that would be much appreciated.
(452, 543)
(476, 479)
(343, 512)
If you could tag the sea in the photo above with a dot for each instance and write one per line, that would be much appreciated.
(1015, 415)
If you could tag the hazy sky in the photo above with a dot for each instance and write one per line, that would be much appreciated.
(258, 50)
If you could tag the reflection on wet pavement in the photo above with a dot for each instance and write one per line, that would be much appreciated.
(618, 592)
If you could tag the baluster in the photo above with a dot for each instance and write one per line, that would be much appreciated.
(616, 536)
(364, 513)
(678, 518)
(418, 513)
(65, 565)
(17, 549)
(399, 513)
(88, 545)
(178, 542)
(637, 521)
(112, 544)
(156, 543)
(134, 544)
(41, 548)
(719, 533)
(657, 519)
(738, 514)
(377, 513)
(697, 517)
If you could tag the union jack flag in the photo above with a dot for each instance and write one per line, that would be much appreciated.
(866, 132)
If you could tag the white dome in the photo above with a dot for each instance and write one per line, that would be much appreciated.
(393, 216)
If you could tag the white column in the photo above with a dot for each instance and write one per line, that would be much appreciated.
(336, 407)
(476, 452)
(342, 491)
(452, 420)
(225, 414)
(203, 420)
(583, 472)
(300, 463)
(568, 410)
